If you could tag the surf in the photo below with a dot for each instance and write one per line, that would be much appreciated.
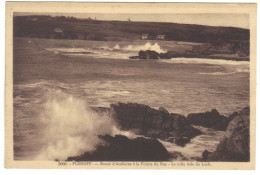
(71, 127)
(205, 61)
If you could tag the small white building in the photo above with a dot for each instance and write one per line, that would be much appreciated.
(144, 36)
(58, 30)
(161, 37)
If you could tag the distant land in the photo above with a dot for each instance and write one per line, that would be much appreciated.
(74, 28)
(216, 42)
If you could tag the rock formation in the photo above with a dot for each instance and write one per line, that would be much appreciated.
(235, 145)
(196, 52)
(210, 119)
(161, 124)
(120, 148)
(149, 54)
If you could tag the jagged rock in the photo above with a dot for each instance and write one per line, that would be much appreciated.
(210, 119)
(164, 110)
(182, 141)
(120, 148)
(205, 155)
(235, 145)
(150, 54)
(150, 122)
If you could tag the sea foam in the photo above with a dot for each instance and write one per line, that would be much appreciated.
(134, 48)
(146, 46)
(71, 127)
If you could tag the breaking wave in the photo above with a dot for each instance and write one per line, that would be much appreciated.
(206, 61)
(71, 127)
(134, 48)
(209, 139)
(118, 50)
(243, 69)
(147, 46)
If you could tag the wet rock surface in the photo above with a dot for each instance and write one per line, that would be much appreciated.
(160, 124)
(150, 54)
(120, 148)
(235, 147)
(211, 119)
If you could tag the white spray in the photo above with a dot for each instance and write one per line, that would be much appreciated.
(71, 127)
(146, 46)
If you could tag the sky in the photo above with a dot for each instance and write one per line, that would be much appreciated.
(212, 19)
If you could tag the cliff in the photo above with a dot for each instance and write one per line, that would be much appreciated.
(235, 147)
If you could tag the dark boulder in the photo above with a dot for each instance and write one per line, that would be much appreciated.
(210, 119)
(150, 54)
(235, 147)
(120, 148)
(205, 155)
(161, 124)
(232, 116)
(164, 56)
(163, 110)
(182, 141)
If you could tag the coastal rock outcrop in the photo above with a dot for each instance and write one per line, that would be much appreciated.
(203, 51)
(120, 148)
(161, 124)
(235, 145)
(210, 119)
(149, 54)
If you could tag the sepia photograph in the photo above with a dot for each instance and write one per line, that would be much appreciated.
(126, 87)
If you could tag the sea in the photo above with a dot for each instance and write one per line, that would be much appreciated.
(58, 83)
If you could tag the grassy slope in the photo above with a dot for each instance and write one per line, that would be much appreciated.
(43, 26)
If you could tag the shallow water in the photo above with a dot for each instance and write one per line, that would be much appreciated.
(53, 94)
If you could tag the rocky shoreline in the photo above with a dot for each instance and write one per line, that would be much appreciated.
(235, 147)
(153, 55)
(175, 128)
(120, 148)
(159, 124)
(211, 119)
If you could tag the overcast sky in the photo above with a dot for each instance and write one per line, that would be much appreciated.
(220, 19)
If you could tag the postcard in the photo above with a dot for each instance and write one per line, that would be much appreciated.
(130, 85)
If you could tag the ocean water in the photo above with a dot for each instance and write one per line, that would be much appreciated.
(56, 85)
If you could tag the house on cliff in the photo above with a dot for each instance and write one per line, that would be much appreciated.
(58, 33)
(144, 36)
(58, 30)
(160, 37)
